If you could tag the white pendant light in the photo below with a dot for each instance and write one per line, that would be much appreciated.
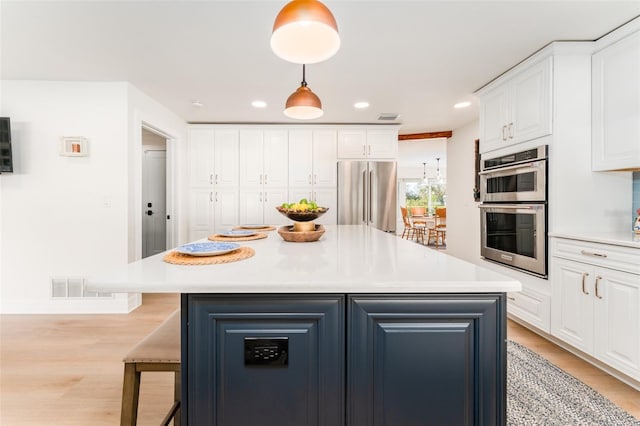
(303, 104)
(305, 32)
(424, 174)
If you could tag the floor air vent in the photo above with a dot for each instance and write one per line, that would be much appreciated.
(73, 288)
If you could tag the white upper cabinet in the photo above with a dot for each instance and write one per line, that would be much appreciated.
(371, 143)
(213, 157)
(517, 109)
(312, 158)
(263, 157)
(616, 105)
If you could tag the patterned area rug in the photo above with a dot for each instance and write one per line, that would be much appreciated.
(539, 393)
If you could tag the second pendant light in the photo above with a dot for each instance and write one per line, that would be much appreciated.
(303, 104)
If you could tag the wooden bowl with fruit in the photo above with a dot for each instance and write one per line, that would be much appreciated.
(303, 213)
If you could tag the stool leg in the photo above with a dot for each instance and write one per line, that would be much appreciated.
(130, 394)
(177, 396)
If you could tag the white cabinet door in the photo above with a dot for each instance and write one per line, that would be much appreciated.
(325, 156)
(275, 158)
(617, 320)
(493, 119)
(271, 199)
(352, 143)
(200, 209)
(519, 109)
(226, 208)
(616, 105)
(251, 206)
(327, 197)
(382, 143)
(251, 157)
(530, 114)
(301, 158)
(572, 303)
(226, 158)
(201, 156)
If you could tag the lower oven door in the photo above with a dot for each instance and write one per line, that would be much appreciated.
(515, 235)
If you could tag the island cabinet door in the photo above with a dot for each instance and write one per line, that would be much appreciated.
(263, 360)
(426, 360)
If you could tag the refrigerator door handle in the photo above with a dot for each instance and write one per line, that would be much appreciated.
(364, 196)
(371, 197)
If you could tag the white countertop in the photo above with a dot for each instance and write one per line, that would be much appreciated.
(347, 259)
(625, 239)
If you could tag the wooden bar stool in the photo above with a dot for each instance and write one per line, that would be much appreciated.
(159, 351)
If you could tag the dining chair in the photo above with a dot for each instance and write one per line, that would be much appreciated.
(411, 230)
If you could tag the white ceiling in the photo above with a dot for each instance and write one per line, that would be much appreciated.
(415, 58)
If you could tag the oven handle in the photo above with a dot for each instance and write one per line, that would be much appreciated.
(532, 165)
(511, 206)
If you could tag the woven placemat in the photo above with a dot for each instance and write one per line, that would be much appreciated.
(219, 237)
(184, 259)
(263, 229)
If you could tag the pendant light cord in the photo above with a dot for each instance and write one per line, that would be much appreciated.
(304, 81)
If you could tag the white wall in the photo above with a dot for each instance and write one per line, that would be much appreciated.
(463, 217)
(70, 216)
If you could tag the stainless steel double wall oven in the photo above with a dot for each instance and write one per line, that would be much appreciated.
(513, 191)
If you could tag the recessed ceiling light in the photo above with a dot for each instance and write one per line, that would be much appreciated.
(462, 104)
(361, 105)
(197, 104)
(259, 104)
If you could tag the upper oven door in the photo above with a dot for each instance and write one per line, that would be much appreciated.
(520, 182)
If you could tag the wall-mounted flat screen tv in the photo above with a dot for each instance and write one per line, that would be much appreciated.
(6, 155)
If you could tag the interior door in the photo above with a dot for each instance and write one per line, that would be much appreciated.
(154, 202)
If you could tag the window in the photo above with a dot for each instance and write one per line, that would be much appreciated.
(415, 193)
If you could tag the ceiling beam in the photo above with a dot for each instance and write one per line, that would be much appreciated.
(430, 135)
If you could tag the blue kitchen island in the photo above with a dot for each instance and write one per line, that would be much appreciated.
(359, 328)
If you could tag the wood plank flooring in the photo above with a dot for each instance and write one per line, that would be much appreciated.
(60, 370)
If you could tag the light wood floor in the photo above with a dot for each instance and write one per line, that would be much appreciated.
(67, 369)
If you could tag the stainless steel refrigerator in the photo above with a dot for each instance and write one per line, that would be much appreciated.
(367, 194)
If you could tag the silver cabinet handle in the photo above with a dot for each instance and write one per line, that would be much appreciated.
(510, 132)
(314, 197)
(216, 179)
(309, 179)
(584, 278)
(261, 197)
(210, 179)
(260, 179)
(369, 150)
(511, 298)
(592, 253)
(364, 150)
(315, 179)
(265, 197)
(216, 196)
(598, 278)
(211, 197)
(504, 128)
(265, 179)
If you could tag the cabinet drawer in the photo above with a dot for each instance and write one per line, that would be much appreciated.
(532, 307)
(606, 255)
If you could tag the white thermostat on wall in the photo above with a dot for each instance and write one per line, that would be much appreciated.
(74, 146)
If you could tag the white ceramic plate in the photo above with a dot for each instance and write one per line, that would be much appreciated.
(253, 226)
(207, 248)
(238, 233)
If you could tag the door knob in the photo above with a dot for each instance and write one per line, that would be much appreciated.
(149, 213)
